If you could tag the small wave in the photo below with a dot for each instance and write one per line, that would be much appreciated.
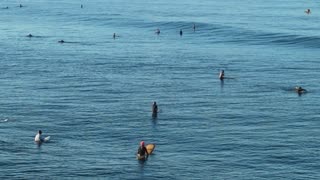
(215, 33)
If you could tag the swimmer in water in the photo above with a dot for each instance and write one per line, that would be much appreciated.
(142, 152)
(61, 41)
(308, 11)
(181, 32)
(221, 75)
(300, 90)
(158, 31)
(154, 108)
(39, 137)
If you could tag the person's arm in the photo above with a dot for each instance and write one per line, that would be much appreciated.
(146, 152)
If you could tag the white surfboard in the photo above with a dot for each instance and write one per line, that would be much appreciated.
(46, 139)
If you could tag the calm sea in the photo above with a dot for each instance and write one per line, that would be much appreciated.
(93, 94)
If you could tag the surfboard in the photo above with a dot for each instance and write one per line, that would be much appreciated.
(150, 148)
(46, 139)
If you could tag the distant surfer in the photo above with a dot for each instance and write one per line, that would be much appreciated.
(20, 6)
(194, 27)
(221, 75)
(300, 90)
(181, 32)
(81, 6)
(39, 137)
(114, 36)
(158, 31)
(154, 108)
(61, 41)
(29, 35)
(308, 11)
(142, 152)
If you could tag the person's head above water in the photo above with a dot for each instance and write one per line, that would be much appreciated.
(40, 132)
(142, 143)
(154, 103)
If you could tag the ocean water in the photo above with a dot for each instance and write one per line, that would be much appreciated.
(93, 94)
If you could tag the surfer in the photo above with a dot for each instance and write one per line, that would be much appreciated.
(81, 6)
(308, 11)
(221, 75)
(61, 41)
(20, 6)
(38, 137)
(194, 27)
(29, 35)
(114, 35)
(142, 152)
(158, 31)
(181, 32)
(300, 90)
(154, 108)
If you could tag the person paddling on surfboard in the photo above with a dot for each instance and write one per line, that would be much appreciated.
(142, 152)
(39, 137)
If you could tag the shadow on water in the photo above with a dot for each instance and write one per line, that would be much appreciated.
(154, 119)
(38, 144)
(154, 115)
(221, 84)
(141, 164)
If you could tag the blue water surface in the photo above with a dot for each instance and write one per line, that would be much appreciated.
(93, 94)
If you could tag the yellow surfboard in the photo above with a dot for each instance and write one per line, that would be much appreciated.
(150, 148)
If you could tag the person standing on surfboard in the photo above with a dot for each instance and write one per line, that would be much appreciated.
(142, 151)
(38, 137)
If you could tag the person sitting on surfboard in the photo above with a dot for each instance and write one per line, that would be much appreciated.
(154, 108)
(38, 137)
(181, 32)
(221, 75)
(142, 151)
